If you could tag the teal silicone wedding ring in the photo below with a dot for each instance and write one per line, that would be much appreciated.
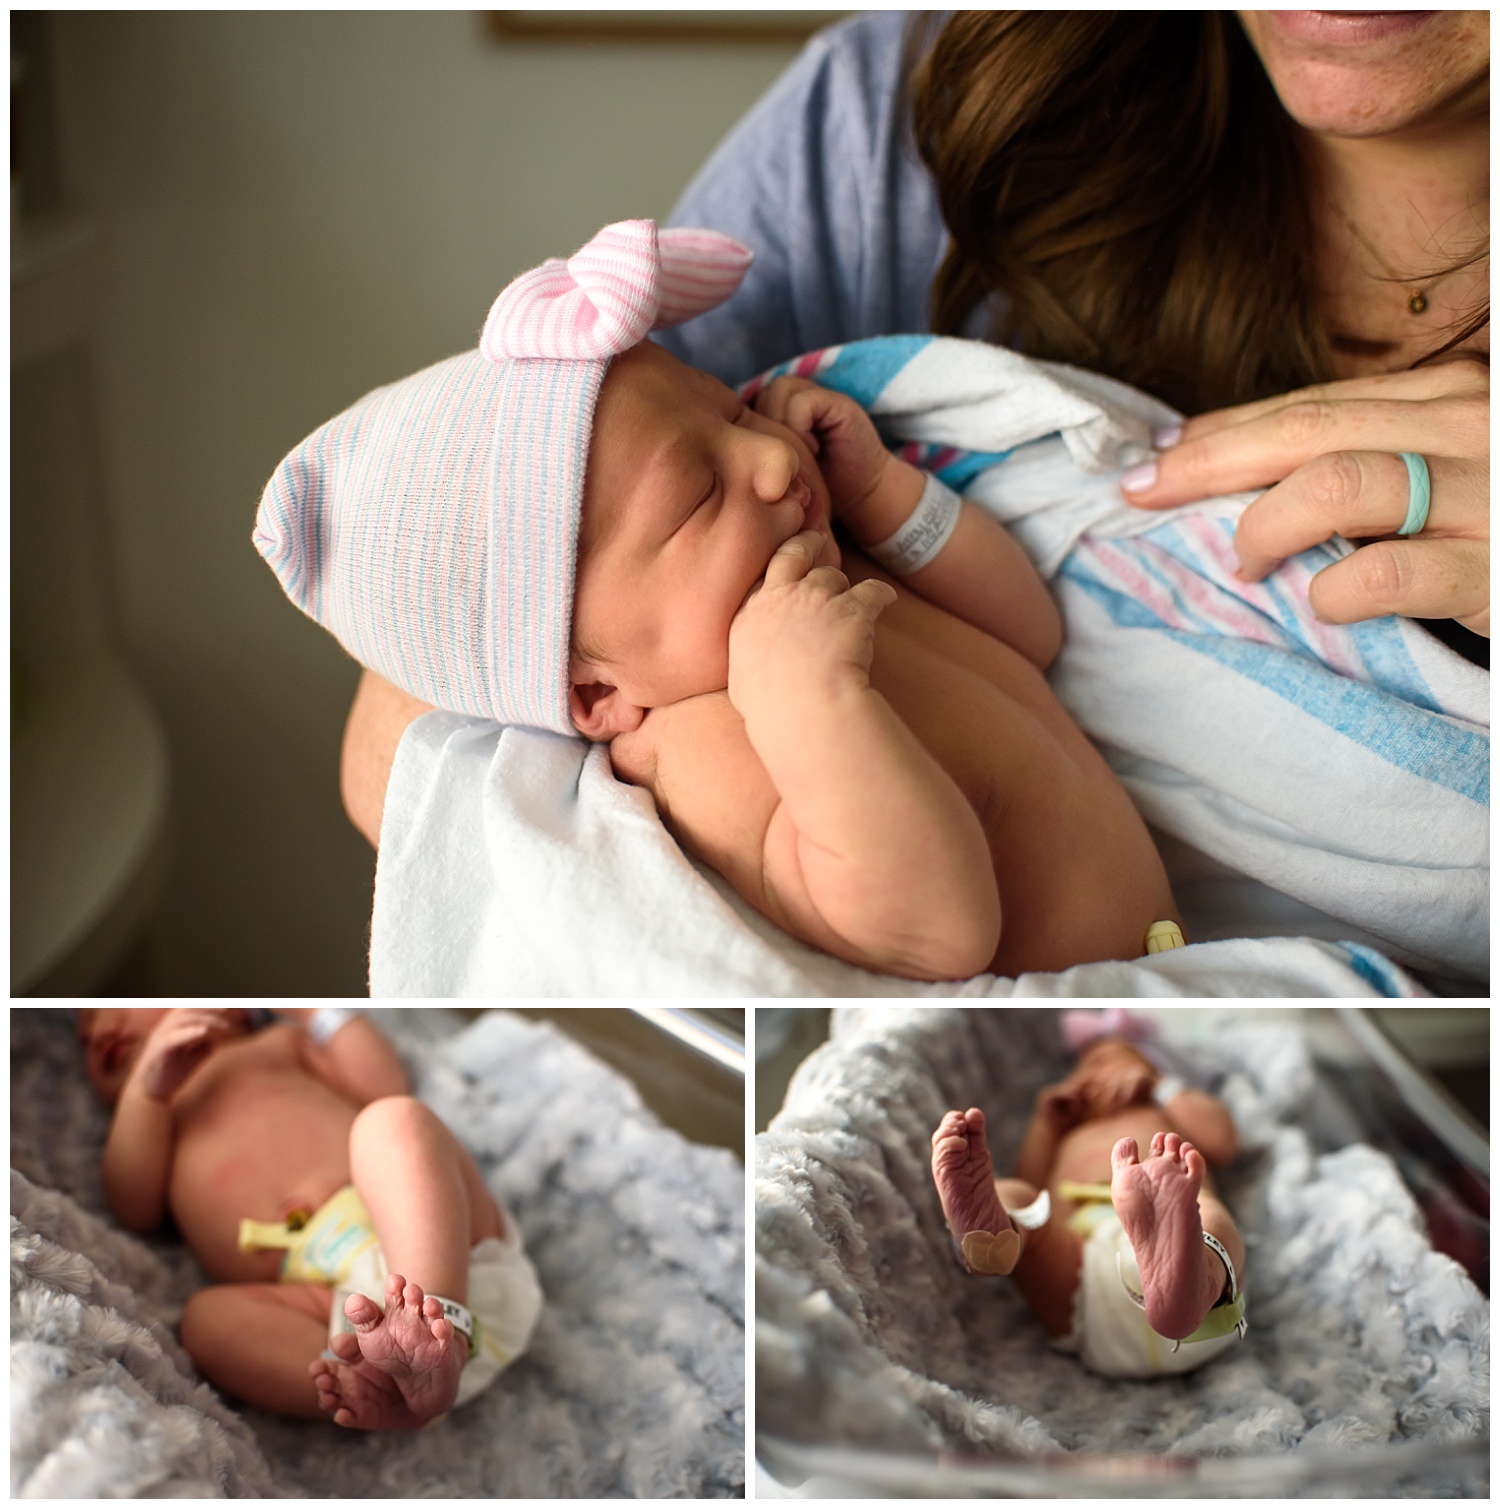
(1419, 496)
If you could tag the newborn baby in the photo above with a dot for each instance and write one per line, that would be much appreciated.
(1133, 1262)
(331, 1209)
(576, 531)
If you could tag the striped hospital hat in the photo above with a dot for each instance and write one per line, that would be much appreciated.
(432, 528)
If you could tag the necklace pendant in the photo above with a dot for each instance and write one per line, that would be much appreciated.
(1417, 303)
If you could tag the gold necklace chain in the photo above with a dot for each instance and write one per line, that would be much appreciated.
(1416, 300)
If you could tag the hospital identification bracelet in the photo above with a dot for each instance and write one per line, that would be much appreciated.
(924, 534)
(326, 1021)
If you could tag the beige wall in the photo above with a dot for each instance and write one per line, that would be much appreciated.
(299, 207)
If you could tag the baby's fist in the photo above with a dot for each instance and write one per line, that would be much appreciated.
(837, 431)
(805, 630)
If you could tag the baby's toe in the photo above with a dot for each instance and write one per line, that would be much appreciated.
(362, 1312)
(345, 1346)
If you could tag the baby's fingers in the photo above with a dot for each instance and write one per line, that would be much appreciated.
(794, 558)
(873, 596)
(776, 397)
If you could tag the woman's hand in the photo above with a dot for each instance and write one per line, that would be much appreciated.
(1329, 455)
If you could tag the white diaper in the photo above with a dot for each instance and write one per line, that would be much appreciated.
(1110, 1331)
(505, 1300)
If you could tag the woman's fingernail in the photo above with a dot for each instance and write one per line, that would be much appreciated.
(1139, 478)
(1164, 436)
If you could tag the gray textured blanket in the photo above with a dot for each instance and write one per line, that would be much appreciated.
(869, 1334)
(634, 1384)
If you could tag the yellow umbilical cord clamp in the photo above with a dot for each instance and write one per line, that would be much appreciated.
(1161, 936)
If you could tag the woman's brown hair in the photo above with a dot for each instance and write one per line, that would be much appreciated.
(1131, 185)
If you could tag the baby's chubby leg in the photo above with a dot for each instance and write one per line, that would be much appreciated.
(254, 1342)
(965, 1179)
(429, 1206)
(975, 1203)
(1165, 1211)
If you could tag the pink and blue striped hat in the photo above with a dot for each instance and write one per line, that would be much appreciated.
(432, 528)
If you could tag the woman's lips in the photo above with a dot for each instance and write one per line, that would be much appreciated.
(1349, 27)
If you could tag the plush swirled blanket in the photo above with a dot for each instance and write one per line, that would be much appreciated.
(634, 1384)
(869, 1334)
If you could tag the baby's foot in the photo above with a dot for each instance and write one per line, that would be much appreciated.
(400, 1369)
(965, 1180)
(1157, 1203)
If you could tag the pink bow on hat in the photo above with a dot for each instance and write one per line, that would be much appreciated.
(1082, 1027)
(629, 280)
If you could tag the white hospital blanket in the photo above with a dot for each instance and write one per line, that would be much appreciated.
(1303, 779)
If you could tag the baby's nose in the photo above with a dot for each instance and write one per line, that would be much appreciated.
(773, 468)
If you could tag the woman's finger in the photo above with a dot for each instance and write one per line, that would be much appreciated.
(1357, 494)
(1261, 451)
(1417, 385)
(1415, 578)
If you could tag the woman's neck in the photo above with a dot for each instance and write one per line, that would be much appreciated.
(1392, 215)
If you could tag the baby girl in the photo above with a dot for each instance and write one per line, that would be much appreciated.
(330, 1208)
(1133, 1262)
(572, 530)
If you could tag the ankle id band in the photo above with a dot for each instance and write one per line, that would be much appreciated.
(924, 534)
(1034, 1216)
(461, 1319)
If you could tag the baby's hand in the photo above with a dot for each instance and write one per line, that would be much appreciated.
(180, 1042)
(838, 432)
(805, 630)
(1111, 1087)
(1061, 1105)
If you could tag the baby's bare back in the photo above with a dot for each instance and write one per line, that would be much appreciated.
(255, 1134)
(1078, 874)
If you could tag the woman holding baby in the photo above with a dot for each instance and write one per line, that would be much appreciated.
(1277, 222)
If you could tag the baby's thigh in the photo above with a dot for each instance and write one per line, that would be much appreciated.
(223, 1317)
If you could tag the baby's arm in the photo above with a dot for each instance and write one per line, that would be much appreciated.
(1056, 1111)
(1206, 1123)
(137, 1163)
(358, 1060)
(982, 575)
(812, 798)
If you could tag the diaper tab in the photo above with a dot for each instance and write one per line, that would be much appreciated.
(321, 1247)
(263, 1236)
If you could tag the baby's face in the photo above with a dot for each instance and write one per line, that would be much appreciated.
(688, 495)
(112, 1039)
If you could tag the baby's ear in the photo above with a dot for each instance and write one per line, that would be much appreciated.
(600, 711)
